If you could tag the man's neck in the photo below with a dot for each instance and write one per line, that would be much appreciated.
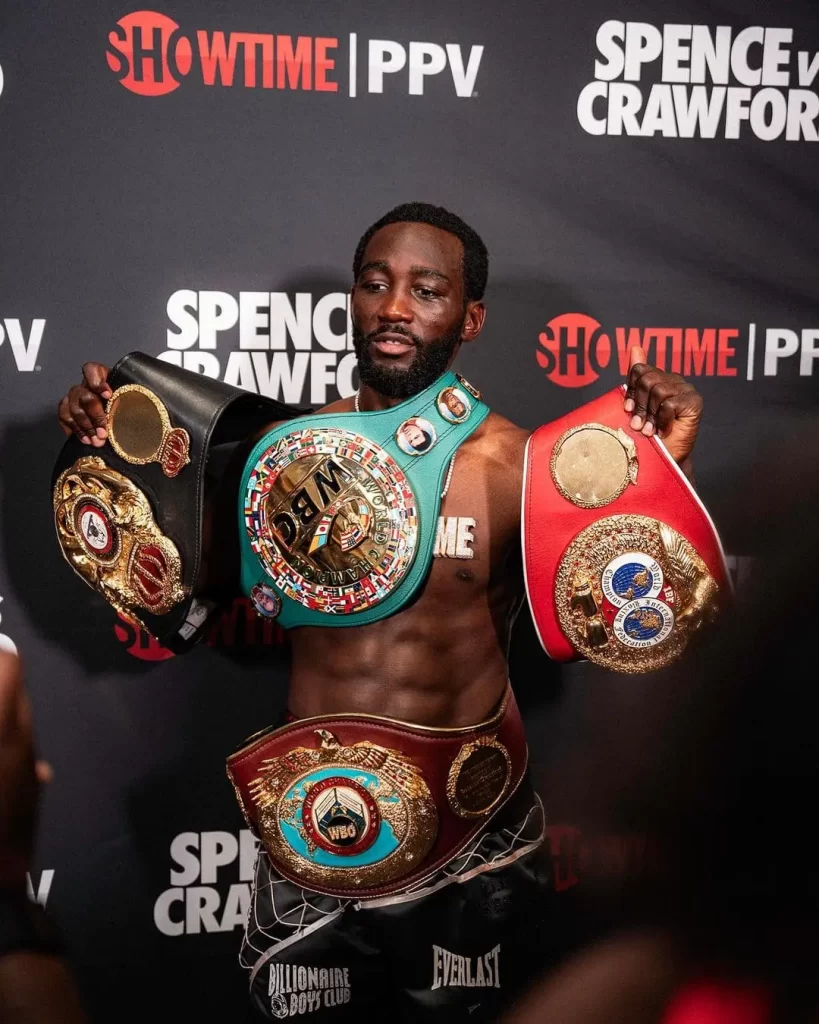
(370, 400)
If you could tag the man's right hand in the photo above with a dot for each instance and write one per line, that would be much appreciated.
(82, 411)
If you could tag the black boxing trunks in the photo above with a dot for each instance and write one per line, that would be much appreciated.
(460, 946)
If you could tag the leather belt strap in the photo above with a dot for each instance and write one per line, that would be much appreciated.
(363, 806)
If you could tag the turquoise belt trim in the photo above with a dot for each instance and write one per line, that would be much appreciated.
(425, 473)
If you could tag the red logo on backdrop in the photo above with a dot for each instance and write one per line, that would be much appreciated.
(573, 350)
(151, 57)
(139, 643)
(237, 626)
(148, 48)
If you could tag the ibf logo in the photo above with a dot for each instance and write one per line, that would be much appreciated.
(24, 345)
(150, 55)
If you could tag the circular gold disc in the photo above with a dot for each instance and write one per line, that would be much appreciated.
(137, 424)
(590, 466)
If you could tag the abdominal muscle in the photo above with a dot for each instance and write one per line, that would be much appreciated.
(432, 664)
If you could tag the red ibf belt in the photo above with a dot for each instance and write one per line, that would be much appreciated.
(362, 806)
(622, 561)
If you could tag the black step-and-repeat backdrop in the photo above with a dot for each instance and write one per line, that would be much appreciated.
(191, 181)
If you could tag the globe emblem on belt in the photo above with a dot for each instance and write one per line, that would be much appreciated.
(340, 816)
(332, 518)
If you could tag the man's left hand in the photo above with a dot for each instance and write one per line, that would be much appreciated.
(663, 403)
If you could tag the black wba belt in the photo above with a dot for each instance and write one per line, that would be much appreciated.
(130, 515)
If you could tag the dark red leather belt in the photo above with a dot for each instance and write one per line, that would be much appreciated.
(621, 558)
(362, 806)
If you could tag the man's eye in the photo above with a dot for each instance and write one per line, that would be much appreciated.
(373, 286)
(427, 293)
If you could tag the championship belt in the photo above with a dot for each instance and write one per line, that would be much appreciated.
(129, 514)
(362, 806)
(622, 561)
(338, 513)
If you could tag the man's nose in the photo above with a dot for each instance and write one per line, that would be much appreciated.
(396, 308)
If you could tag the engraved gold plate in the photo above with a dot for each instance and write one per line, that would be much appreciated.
(333, 519)
(140, 430)
(108, 535)
(478, 777)
(344, 817)
(592, 464)
(630, 591)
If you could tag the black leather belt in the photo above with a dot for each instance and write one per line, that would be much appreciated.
(131, 515)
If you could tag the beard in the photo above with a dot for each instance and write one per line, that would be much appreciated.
(431, 360)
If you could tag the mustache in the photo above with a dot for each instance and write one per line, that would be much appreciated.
(396, 329)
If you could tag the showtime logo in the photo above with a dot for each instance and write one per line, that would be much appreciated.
(289, 347)
(151, 56)
(575, 350)
(236, 627)
(706, 82)
(193, 904)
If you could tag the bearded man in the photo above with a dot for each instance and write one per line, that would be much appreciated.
(444, 912)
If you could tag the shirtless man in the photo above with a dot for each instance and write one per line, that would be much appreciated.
(462, 944)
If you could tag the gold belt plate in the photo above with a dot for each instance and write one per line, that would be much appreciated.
(107, 533)
(333, 519)
(630, 591)
(344, 817)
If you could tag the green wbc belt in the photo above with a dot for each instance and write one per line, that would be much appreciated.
(340, 510)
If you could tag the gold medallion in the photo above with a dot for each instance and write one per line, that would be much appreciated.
(140, 431)
(344, 817)
(478, 777)
(108, 535)
(332, 518)
(630, 591)
(469, 387)
(592, 464)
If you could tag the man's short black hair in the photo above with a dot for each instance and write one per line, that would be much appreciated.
(476, 258)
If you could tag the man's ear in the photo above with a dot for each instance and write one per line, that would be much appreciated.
(473, 321)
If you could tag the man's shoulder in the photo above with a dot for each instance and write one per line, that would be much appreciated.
(499, 438)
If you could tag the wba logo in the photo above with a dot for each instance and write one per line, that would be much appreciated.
(574, 350)
(188, 908)
(292, 348)
(151, 56)
(24, 347)
(708, 82)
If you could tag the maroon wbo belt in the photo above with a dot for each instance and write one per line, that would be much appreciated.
(362, 806)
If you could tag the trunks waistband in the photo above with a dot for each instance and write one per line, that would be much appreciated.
(362, 806)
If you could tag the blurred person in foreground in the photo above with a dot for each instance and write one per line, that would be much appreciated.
(36, 986)
(725, 929)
